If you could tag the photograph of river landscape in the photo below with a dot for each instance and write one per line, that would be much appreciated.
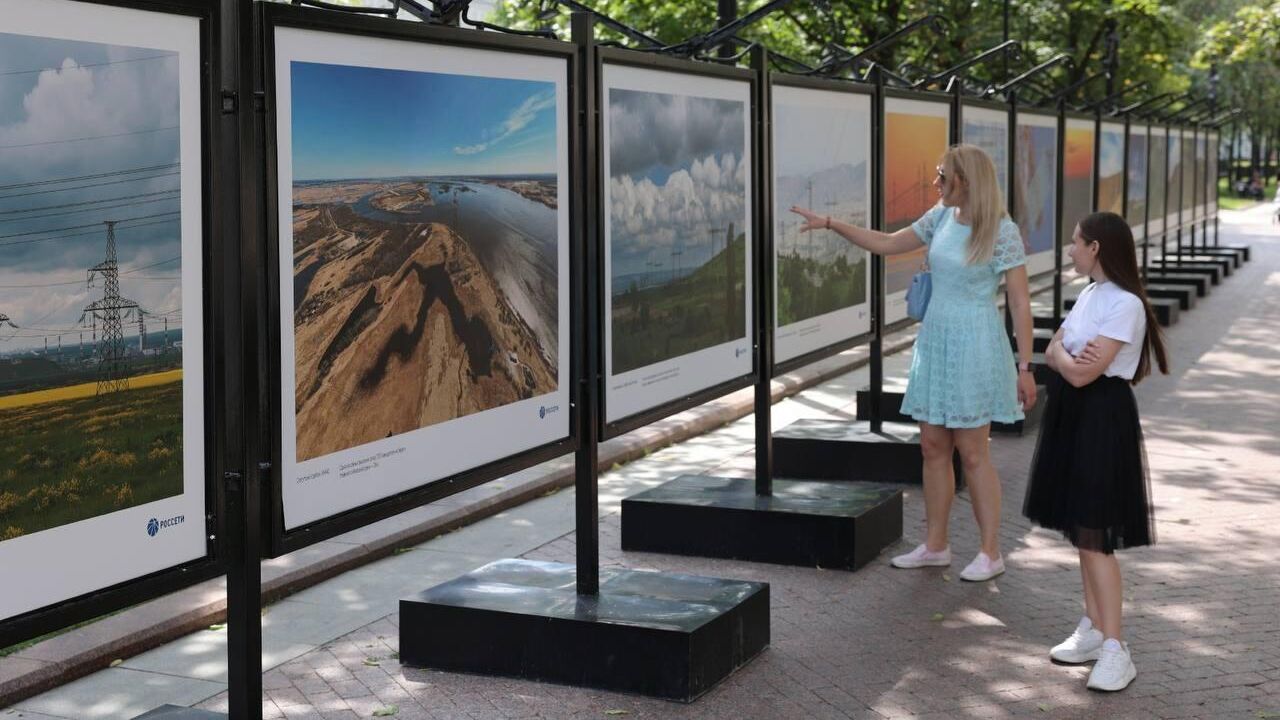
(425, 264)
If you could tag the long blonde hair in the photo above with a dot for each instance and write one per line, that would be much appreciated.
(986, 208)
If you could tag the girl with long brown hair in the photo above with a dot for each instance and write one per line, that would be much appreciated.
(1089, 476)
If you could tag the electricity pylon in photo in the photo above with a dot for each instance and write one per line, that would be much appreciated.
(111, 310)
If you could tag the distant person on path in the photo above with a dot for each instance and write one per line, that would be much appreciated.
(1089, 476)
(963, 376)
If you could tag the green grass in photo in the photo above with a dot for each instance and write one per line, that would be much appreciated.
(70, 460)
(809, 288)
(701, 310)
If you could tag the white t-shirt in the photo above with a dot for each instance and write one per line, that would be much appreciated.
(1107, 310)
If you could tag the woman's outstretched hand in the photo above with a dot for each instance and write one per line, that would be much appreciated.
(812, 220)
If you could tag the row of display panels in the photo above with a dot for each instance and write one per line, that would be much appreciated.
(421, 232)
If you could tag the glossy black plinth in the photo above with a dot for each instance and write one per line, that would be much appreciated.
(176, 712)
(1046, 322)
(1243, 249)
(1201, 283)
(1214, 270)
(659, 634)
(1235, 255)
(848, 450)
(1185, 295)
(813, 523)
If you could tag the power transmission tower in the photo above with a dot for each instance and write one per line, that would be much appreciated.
(112, 310)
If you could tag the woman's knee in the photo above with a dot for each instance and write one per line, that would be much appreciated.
(936, 445)
(974, 457)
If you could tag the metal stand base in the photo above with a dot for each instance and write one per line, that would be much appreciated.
(847, 450)
(660, 634)
(804, 522)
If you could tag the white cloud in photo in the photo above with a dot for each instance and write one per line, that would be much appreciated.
(518, 120)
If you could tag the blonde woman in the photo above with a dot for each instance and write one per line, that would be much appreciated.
(963, 374)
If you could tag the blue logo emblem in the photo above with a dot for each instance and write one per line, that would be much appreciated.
(542, 412)
(153, 527)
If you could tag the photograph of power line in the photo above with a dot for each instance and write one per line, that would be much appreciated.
(90, 287)
(677, 224)
(1156, 178)
(822, 156)
(915, 139)
(425, 264)
(1077, 175)
(989, 130)
(1111, 169)
(1173, 175)
(1036, 175)
(1136, 201)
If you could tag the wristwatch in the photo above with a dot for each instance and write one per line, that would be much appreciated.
(1026, 367)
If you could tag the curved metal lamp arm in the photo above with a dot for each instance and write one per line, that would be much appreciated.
(1110, 99)
(1059, 59)
(1146, 103)
(835, 67)
(1011, 47)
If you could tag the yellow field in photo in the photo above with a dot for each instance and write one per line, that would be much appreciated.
(75, 392)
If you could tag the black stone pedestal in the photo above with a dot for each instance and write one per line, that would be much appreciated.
(1235, 255)
(177, 712)
(848, 450)
(1215, 271)
(804, 522)
(1201, 283)
(1242, 249)
(661, 634)
(1184, 294)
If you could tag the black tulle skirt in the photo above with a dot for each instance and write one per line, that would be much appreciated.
(1089, 476)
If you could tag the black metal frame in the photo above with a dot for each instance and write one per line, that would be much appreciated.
(280, 540)
(1146, 206)
(217, 222)
(833, 85)
(1170, 130)
(1019, 111)
(883, 326)
(1152, 127)
(650, 61)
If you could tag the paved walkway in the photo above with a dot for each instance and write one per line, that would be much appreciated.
(1202, 614)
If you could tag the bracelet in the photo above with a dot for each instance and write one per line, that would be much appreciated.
(827, 226)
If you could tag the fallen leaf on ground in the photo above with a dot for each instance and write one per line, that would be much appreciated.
(1044, 708)
(371, 662)
(116, 663)
(937, 617)
(946, 578)
(219, 626)
(617, 712)
(387, 711)
(401, 551)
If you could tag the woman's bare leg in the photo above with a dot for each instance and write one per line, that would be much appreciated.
(1108, 590)
(984, 484)
(936, 447)
(1090, 600)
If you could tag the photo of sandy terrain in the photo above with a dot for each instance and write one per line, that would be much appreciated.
(424, 269)
(1035, 172)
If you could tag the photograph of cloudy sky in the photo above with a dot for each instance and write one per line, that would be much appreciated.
(92, 417)
(677, 212)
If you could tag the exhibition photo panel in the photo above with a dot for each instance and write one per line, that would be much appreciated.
(821, 161)
(1136, 198)
(988, 128)
(1157, 179)
(1036, 176)
(1077, 176)
(916, 134)
(1188, 203)
(1212, 178)
(1173, 181)
(1111, 168)
(1201, 173)
(422, 232)
(677, 213)
(102, 235)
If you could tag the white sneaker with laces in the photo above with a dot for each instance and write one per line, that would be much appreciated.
(1114, 669)
(982, 568)
(1083, 645)
(922, 556)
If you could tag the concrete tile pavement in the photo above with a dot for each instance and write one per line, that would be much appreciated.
(1201, 614)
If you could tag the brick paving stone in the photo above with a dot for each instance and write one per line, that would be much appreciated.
(1200, 605)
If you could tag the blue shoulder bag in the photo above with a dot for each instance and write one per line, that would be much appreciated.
(918, 294)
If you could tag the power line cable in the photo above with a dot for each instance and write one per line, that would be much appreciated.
(88, 185)
(92, 137)
(94, 176)
(8, 73)
(79, 227)
(83, 203)
(92, 209)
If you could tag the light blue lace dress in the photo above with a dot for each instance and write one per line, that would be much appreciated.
(962, 371)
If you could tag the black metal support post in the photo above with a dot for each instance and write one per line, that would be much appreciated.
(587, 458)
(1058, 202)
(763, 286)
(877, 260)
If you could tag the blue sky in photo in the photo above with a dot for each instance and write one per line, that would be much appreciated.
(357, 122)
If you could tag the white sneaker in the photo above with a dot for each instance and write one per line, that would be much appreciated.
(1083, 645)
(1114, 669)
(922, 556)
(982, 568)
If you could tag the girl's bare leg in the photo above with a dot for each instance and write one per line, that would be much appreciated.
(984, 484)
(1108, 590)
(936, 447)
